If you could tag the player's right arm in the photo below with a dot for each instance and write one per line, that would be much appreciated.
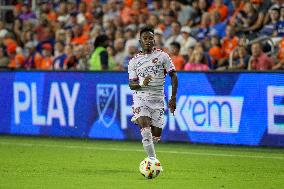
(134, 82)
(133, 77)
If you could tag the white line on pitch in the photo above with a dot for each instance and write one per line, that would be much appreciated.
(136, 150)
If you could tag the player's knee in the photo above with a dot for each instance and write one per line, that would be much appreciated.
(143, 122)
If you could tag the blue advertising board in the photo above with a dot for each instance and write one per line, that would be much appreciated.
(217, 108)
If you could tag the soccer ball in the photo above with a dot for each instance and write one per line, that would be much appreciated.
(150, 168)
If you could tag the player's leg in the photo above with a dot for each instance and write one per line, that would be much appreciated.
(144, 123)
(157, 118)
(156, 132)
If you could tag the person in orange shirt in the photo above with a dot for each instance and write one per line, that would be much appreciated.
(132, 9)
(280, 57)
(89, 24)
(177, 59)
(221, 8)
(47, 58)
(16, 60)
(229, 43)
(78, 36)
(215, 51)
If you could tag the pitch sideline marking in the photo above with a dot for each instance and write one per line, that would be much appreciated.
(134, 150)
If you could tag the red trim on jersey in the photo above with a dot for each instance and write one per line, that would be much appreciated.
(154, 49)
(136, 56)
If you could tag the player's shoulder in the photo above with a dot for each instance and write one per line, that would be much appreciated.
(136, 57)
(161, 52)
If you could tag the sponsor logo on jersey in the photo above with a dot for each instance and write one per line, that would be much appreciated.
(155, 60)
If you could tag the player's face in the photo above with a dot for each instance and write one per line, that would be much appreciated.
(147, 41)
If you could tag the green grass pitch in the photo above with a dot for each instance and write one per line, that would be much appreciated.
(35, 162)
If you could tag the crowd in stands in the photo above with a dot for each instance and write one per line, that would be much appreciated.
(199, 35)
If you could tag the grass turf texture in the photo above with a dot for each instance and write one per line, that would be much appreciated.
(33, 162)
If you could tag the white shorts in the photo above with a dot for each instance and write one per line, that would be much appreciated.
(154, 109)
(156, 115)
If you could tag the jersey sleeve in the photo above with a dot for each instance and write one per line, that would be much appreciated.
(168, 63)
(132, 72)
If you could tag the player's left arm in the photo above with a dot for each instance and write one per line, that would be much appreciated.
(170, 68)
(174, 81)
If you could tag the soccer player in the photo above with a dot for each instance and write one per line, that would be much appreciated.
(147, 71)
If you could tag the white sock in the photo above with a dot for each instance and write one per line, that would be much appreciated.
(148, 142)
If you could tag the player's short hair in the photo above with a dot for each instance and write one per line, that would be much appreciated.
(146, 29)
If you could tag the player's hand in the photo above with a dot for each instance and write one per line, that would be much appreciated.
(172, 105)
(147, 80)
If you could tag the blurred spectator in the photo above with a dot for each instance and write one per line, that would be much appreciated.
(62, 13)
(131, 50)
(256, 8)
(187, 40)
(4, 61)
(34, 58)
(220, 7)
(280, 56)
(228, 44)
(217, 26)
(196, 14)
(241, 58)
(17, 60)
(81, 57)
(175, 34)
(187, 13)
(119, 53)
(168, 19)
(259, 60)
(81, 16)
(203, 6)
(177, 59)
(153, 20)
(279, 26)
(246, 18)
(47, 58)
(26, 13)
(238, 6)
(59, 56)
(282, 13)
(155, 7)
(159, 38)
(131, 10)
(71, 60)
(197, 62)
(215, 51)
(99, 58)
(203, 29)
(3, 30)
(78, 37)
(270, 27)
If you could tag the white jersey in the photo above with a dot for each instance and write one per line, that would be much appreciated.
(157, 65)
